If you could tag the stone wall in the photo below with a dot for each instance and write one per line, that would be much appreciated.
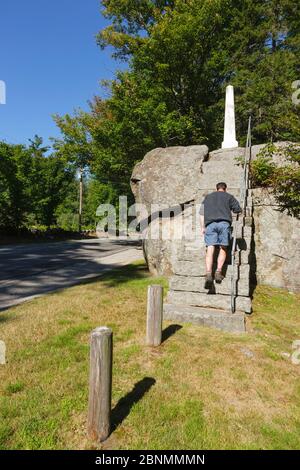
(276, 243)
(175, 176)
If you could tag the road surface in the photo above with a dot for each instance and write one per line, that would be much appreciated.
(31, 270)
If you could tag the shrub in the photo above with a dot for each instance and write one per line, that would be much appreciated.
(262, 171)
(285, 179)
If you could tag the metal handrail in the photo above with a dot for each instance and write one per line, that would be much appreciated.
(243, 198)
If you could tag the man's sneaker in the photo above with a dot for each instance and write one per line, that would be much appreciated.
(218, 277)
(208, 281)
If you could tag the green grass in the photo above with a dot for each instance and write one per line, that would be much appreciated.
(197, 390)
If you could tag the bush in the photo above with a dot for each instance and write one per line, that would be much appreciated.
(262, 172)
(285, 179)
(287, 182)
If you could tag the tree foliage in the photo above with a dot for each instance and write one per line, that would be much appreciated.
(181, 55)
(32, 184)
(284, 178)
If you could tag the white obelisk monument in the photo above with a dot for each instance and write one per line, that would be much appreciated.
(2, 92)
(229, 127)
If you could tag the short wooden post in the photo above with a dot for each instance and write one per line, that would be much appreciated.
(100, 384)
(2, 352)
(154, 315)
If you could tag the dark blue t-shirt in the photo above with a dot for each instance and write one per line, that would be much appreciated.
(218, 206)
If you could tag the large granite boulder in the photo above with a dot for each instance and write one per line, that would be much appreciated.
(168, 176)
(171, 177)
(276, 243)
(165, 178)
(222, 165)
(163, 238)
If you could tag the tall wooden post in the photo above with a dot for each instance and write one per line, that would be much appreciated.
(80, 198)
(100, 384)
(154, 315)
(2, 352)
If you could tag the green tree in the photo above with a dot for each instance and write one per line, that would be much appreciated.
(75, 148)
(32, 184)
(15, 166)
(185, 52)
(181, 55)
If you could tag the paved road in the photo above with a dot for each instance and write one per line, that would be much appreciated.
(30, 270)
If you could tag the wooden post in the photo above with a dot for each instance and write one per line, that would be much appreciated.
(154, 315)
(100, 384)
(2, 352)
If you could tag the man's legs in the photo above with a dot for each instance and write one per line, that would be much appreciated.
(209, 264)
(211, 239)
(221, 260)
(209, 258)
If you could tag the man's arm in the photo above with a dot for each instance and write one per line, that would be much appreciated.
(234, 205)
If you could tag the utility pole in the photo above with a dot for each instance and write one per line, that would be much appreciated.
(80, 198)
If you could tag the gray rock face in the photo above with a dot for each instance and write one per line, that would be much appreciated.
(158, 256)
(223, 165)
(277, 246)
(176, 175)
(163, 239)
(278, 158)
(168, 176)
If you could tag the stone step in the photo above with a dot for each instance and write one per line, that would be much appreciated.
(193, 242)
(185, 254)
(242, 257)
(243, 304)
(249, 211)
(194, 268)
(197, 284)
(229, 322)
(244, 231)
(227, 171)
(196, 245)
(248, 221)
(198, 256)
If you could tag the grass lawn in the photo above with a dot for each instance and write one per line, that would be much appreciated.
(201, 389)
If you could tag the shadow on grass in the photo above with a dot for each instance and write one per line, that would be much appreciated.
(170, 331)
(111, 276)
(124, 405)
(5, 318)
(124, 274)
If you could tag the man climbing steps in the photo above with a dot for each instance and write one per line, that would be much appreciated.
(216, 219)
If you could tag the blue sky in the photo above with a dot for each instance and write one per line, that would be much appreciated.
(50, 63)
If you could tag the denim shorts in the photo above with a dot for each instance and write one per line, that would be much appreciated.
(217, 233)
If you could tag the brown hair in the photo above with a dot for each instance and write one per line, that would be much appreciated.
(221, 186)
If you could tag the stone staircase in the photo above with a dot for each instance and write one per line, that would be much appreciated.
(187, 299)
